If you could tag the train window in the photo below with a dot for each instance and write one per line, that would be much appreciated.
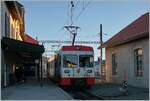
(70, 60)
(59, 60)
(86, 60)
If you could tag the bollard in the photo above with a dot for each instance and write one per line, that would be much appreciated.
(125, 86)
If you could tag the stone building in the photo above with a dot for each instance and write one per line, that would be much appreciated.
(127, 54)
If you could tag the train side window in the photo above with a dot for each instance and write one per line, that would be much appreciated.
(59, 60)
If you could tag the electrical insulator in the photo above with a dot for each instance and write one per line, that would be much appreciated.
(72, 4)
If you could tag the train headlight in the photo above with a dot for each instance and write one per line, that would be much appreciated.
(66, 71)
(89, 71)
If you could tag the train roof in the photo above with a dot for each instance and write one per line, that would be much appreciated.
(76, 48)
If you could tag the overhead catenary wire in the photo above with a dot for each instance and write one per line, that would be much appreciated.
(83, 9)
(65, 22)
(76, 4)
(73, 7)
(72, 28)
(71, 15)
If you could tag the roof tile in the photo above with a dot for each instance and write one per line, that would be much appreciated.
(137, 29)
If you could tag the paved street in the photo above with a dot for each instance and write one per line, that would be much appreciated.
(111, 92)
(33, 91)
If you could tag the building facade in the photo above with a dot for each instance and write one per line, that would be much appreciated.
(17, 48)
(127, 54)
(12, 26)
(12, 20)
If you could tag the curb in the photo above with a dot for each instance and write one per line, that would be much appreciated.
(66, 94)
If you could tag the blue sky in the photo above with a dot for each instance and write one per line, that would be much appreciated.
(45, 19)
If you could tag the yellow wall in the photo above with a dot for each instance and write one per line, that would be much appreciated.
(15, 32)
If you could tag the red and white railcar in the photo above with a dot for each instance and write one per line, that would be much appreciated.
(73, 65)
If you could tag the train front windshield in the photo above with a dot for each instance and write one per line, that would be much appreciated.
(71, 61)
(86, 60)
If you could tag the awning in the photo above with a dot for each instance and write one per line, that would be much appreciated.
(29, 39)
(25, 49)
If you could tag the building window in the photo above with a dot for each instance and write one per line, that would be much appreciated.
(12, 31)
(7, 27)
(114, 64)
(138, 62)
(16, 36)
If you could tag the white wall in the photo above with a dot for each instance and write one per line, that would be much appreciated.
(2, 33)
(125, 60)
(3, 11)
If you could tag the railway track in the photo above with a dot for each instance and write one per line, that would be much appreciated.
(82, 94)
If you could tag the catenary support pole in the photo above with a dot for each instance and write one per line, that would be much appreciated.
(101, 48)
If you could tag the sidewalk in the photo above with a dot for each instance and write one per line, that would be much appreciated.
(111, 92)
(33, 91)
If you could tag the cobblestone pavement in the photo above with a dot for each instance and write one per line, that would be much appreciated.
(33, 91)
(112, 92)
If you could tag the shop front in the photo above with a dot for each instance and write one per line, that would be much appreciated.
(20, 61)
